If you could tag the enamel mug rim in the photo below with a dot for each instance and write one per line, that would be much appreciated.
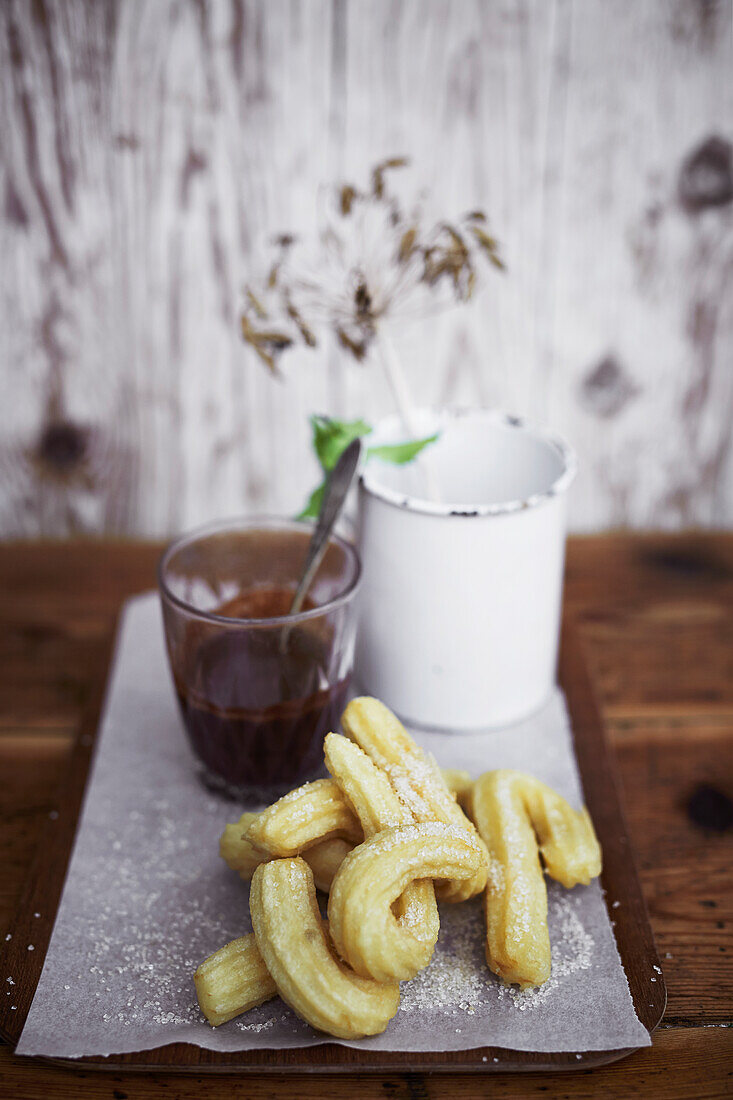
(369, 480)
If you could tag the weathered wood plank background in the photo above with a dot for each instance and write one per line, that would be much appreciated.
(150, 147)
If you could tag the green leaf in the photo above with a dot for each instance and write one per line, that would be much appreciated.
(331, 437)
(401, 453)
(313, 507)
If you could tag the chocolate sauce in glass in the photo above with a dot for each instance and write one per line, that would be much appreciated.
(231, 677)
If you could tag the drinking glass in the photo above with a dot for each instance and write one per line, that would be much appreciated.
(258, 688)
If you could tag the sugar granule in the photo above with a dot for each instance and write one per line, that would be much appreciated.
(458, 980)
(154, 961)
(571, 951)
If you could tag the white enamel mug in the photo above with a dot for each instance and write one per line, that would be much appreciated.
(461, 595)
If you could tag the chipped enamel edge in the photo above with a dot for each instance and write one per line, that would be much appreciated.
(433, 508)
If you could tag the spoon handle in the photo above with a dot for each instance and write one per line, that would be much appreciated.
(334, 495)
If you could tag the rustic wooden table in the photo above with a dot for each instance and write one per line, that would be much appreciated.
(657, 615)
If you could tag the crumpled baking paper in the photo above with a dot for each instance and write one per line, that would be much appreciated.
(147, 898)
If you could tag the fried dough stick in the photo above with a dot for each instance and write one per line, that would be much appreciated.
(415, 777)
(295, 945)
(376, 873)
(413, 933)
(518, 818)
(324, 857)
(233, 980)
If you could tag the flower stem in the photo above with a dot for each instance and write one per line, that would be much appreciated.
(400, 392)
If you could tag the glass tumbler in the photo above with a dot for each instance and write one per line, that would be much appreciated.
(258, 688)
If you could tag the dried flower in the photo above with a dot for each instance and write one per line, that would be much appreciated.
(378, 171)
(371, 261)
(267, 343)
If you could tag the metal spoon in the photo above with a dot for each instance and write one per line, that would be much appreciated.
(337, 487)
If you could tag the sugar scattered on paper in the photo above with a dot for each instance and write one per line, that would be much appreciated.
(158, 960)
(458, 980)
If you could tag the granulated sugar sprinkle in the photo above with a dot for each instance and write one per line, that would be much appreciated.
(458, 980)
(146, 977)
(571, 949)
(457, 977)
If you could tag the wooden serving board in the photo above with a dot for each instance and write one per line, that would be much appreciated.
(39, 904)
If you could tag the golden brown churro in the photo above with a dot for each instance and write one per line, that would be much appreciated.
(416, 778)
(300, 819)
(509, 808)
(298, 953)
(236, 850)
(363, 925)
(233, 980)
(324, 857)
(414, 932)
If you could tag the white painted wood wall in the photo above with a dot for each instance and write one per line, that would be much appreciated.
(149, 147)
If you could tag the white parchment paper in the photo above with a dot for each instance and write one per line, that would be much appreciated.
(147, 898)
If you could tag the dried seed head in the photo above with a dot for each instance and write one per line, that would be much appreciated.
(378, 187)
(370, 259)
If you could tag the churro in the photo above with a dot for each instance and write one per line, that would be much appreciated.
(363, 925)
(415, 777)
(233, 980)
(295, 946)
(370, 795)
(518, 818)
(302, 818)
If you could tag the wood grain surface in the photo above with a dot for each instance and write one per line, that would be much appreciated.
(149, 149)
(658, 620)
